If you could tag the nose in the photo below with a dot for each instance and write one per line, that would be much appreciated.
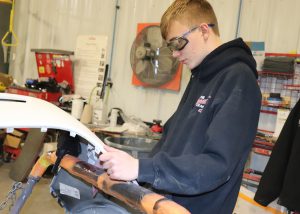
(176, 54)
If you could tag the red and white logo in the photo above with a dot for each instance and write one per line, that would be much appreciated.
(201, 103)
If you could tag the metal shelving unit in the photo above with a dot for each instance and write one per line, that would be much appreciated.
(287, 85)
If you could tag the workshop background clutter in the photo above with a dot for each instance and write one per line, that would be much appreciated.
(93, 59)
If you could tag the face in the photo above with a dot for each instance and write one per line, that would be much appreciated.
(191, 47)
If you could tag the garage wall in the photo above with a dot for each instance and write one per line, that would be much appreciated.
(57, 23)
(277, 22)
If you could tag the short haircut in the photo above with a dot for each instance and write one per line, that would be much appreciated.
(190, 13)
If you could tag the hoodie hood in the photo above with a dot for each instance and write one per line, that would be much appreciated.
(225, 55)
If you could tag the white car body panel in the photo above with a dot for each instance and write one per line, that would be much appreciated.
(17, 111)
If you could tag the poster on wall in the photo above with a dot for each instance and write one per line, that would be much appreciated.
(258, 52)
(151, 60)
(90, 61)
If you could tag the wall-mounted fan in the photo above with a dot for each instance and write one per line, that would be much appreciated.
(150, 58)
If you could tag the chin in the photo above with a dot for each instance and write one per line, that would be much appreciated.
(191, 67)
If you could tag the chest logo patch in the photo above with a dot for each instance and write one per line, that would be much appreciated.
(201, 103)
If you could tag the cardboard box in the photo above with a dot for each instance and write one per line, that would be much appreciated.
(14, 139)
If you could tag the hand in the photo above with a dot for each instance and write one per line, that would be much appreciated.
(119, 164)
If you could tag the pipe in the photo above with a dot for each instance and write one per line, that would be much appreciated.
(113, 39)
(24, 196)
(36, 173)
(237, 32)
(128, 192)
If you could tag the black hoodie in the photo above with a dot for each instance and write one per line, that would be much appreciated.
(281, 177)
(200, 158)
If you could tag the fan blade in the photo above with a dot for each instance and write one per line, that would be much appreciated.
(140, 67)
(154, 38)
(140, 52)
(165, 65)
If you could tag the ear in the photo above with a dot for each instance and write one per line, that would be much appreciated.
(204, 28)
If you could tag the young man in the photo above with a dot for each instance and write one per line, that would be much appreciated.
(200, 158)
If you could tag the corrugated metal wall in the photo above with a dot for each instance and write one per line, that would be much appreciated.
(57, 23)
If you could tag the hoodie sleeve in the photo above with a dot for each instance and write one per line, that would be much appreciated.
(228, 140)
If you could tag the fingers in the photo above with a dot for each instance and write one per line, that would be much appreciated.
(106, 160)
(119, 165)
(105, 157)
(106, 165)
(109, 171)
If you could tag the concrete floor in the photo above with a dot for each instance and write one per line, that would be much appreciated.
(40, 200)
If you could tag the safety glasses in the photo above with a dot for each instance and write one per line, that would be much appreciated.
(178, 43)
